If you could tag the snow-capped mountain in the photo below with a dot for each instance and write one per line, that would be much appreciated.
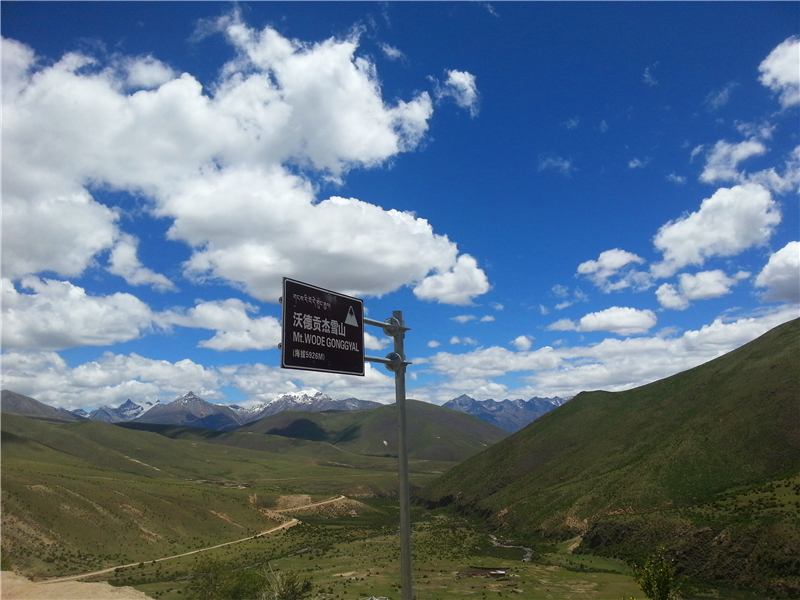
(310, 401)
(191, 410)
(122, 414)
(511, 415)
(194, 411)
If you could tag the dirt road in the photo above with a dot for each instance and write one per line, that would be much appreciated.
(286, 525)
(304, 506)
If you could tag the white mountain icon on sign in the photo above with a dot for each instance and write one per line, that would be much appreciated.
(351, 318)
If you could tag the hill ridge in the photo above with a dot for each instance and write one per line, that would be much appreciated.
(671, 445)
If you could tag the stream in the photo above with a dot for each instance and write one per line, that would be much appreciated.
(528, 551)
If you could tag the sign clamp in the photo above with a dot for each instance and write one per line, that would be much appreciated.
(391, 327)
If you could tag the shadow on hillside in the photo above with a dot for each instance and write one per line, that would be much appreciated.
(349, 434)
(303, 429)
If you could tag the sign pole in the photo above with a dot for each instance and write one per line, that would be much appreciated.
(396, 362)
(405, 500)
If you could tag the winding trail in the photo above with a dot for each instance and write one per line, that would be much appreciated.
(286, 525)
(294, 508)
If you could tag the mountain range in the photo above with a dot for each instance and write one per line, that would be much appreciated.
(122, 414)
(193, 411)
(510, 415)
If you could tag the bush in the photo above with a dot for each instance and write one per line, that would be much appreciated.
(285, 586)
(214, 579)
(657, 577)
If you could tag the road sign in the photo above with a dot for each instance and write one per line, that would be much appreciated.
(322, 330)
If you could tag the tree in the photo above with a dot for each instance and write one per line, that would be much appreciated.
(207, 580)
(657, 577)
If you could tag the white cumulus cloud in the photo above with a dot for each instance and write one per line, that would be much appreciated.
(780, 71)
(124, 262)
(235, 328)
(699, 286)
(59, 315)
(617, 319)
(724, 158)
(391, 52)
(233, 167)
(147, 72)
(522, 343)
(670, 297)
(611, 264)
(461, 86)
(731, 221)
(458, 285)
(781, 275)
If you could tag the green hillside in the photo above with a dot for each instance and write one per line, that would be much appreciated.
(632, 469)
(289, 448)
(433, 432)
(86, 495)
(12, 402)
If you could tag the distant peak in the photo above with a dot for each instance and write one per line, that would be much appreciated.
(301, 396)
(190, 397)
(464, 398)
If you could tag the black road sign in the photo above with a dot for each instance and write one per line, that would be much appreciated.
(322, 330)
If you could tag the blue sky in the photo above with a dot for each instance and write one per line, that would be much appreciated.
(558, 196)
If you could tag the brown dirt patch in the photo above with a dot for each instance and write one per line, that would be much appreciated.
(335, 507)
(292, 501)
(17, 587)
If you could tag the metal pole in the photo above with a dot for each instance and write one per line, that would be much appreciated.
(405, 500)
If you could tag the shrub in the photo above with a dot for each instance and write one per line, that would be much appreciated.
(657, 577)
(214, 579)
(285, 586)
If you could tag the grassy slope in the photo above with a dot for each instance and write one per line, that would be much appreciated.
(731, 422)
(13, 402)
(433, 433)
(86, 495)
(686, 441)
(295, 448)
